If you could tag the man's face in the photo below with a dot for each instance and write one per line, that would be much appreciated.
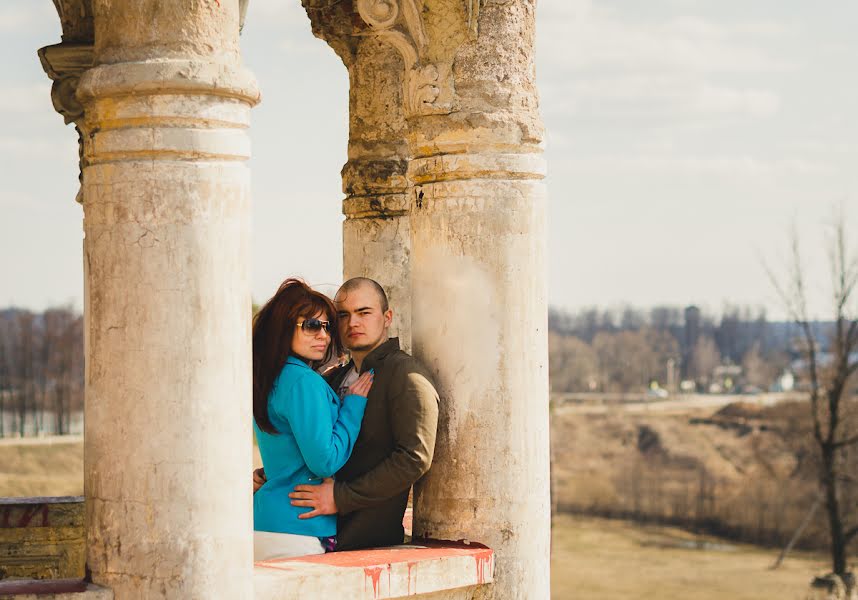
(361, 322)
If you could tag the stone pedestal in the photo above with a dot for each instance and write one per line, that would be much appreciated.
(166, 199)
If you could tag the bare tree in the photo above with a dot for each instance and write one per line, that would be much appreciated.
(759, 372)
(24, 369)
(834, 429)
(5, 386)
(572, 364)
(704, 358)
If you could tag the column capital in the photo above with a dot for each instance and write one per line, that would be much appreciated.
(64, 64)
(76, 20)
(427, 35)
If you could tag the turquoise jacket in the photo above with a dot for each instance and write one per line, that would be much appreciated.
(317, 434)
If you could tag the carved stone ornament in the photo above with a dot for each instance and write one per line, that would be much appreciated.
(474, 7)
(76, 20)
(64, 64)
(242, 13)
(428, 87)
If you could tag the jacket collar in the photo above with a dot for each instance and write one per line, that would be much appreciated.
(377, 356)
(294, 360)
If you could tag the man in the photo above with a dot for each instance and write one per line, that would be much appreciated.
(397, 436)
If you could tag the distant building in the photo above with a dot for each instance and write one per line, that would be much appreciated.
(693, 318)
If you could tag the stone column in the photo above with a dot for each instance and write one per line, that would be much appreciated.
(479, 277)
(376, 233)
(166, 199)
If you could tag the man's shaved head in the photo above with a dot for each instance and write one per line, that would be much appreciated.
(359, 282)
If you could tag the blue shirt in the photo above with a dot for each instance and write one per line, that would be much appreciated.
(316, 436)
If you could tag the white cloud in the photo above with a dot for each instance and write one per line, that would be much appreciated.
(597, 39)
(32, 98)
(275, 13)
(674, 96)
(731, 166)
(41, 148)
(23, 14)
(551, 10)
(721, 100)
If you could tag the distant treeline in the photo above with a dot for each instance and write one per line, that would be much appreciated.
(41, 370)
(627, 349)
(597, 350)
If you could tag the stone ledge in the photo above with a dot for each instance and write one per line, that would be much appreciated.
(423, 567)
(53, 589)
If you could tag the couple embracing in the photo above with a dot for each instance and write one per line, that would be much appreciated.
(340, 451)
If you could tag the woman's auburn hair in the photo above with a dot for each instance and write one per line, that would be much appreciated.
(273, 328)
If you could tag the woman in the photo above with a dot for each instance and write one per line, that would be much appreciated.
(305, 433)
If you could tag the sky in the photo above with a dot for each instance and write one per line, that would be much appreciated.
(683, 140)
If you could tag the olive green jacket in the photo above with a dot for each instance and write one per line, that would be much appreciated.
(393, 450)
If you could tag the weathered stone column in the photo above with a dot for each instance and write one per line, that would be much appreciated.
(166, 203)
(376, 233)
(479, 282)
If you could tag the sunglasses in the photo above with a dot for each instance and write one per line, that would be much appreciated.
(314, 325)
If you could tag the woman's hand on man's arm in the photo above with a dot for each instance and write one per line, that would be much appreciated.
(259, 479)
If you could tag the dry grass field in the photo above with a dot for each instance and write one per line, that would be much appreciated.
(597, 559)
(51, 466)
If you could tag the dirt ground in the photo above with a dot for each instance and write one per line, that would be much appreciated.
(597, 559)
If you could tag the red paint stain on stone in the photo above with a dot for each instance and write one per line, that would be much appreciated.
(374, 573)
(26, 516)
(410, 566)
(485, 565)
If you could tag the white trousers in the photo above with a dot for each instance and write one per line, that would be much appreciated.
(268, 545)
